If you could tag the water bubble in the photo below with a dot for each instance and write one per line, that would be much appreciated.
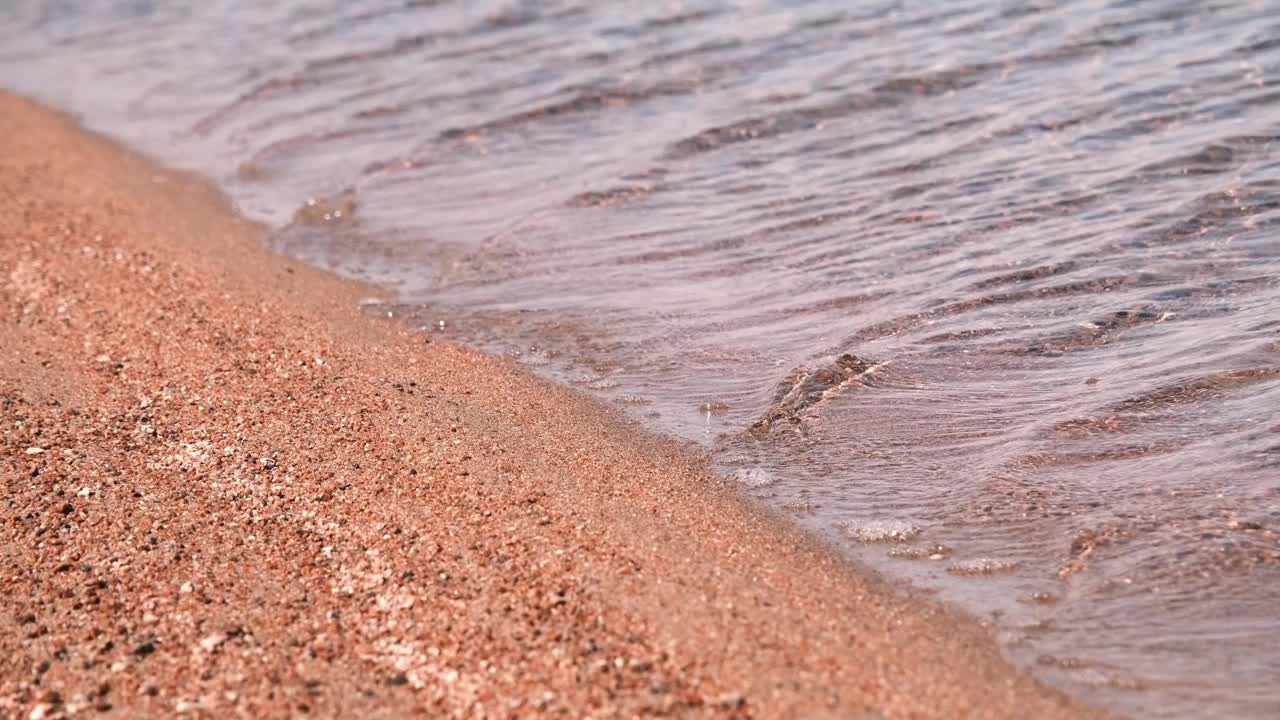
(932, 552)
(632, 400)
(1041, 597)
(982, 566)
(754, 477)
(874, 531)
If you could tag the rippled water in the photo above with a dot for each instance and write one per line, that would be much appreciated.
(987, 292)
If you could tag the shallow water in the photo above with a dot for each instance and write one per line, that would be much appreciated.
(1048, 235)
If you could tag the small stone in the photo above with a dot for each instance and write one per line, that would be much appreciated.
(731, 700)
(84, 492)
(144, 649)
(34, 451)
(186, 588)
(395, 680)
(211, 642)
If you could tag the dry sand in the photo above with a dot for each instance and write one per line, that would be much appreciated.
(228, 493)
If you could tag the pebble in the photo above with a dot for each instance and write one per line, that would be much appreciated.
(211, 642)
(731, 700)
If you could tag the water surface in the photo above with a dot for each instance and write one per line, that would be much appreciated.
(1045, 235)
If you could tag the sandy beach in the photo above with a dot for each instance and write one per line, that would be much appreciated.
(230, 493)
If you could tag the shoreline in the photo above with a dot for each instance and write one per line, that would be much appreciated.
(231, 492)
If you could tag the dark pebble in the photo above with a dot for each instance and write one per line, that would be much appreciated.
(144, 649)
(398, 680)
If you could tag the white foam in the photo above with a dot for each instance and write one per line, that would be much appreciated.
(882, 531)
(754, 477)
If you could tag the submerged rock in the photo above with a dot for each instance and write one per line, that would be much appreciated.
(802, 388)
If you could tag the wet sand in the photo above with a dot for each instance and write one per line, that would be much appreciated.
(228, 492)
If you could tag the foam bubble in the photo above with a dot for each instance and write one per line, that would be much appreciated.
(874, 531)
(982, 566)
(754, 477)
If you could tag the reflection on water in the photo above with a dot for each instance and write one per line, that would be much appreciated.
(989, 293)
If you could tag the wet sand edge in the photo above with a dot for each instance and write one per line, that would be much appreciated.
(229, 491)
